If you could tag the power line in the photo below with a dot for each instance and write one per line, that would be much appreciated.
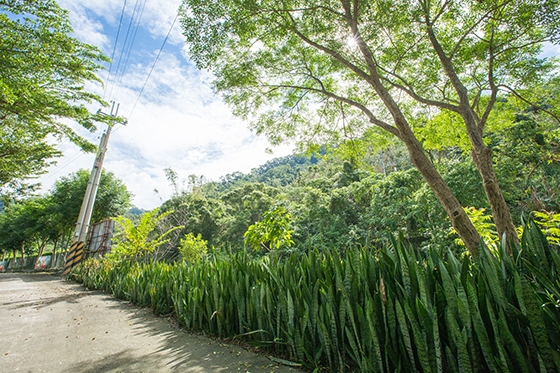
(60, 168)
(124, 47)
(114, 48)
(68, 160)
(117, 78)
(152, 69)
(130, 48)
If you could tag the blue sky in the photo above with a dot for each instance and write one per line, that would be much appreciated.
(178, 122)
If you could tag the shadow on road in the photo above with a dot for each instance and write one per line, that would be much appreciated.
(183, 351)
(70, 294)
(77, 330)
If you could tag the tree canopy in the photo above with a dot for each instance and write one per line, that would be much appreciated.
(331, 71)
(43, 73)
(31, 223)
(113, 198)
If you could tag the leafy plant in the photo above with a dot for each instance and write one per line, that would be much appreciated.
(192, 248)
(137, 237)
(272, 232)
(550, 224)
(44, 75)
(395, 309)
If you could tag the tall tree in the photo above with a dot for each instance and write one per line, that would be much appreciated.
(330, 69)
(113, 198)
(22, 154)
(43, 72)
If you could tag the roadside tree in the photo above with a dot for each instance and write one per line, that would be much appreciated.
(113, 199)
(329, 71)
(43, 73)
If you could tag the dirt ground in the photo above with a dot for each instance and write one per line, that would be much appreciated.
(50, 325)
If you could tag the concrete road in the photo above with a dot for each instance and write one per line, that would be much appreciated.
(51, 325)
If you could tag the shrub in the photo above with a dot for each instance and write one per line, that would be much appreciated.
(192, 248)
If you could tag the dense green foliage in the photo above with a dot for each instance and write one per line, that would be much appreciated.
(272, 232)
(395, 309)
(340, 204)
(278, 172)
(43, 71)
(432, 74)
(138, 239)
(28, 225)
(192, 248)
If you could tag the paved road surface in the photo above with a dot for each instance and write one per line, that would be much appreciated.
(51, 325)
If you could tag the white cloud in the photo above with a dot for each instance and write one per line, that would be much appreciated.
(178, 123)
(550, 50)
(86, 28)
(89, 31)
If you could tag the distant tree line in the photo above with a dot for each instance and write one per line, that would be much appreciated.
(29, 225)
(340, 201)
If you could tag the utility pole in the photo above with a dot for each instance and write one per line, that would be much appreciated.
(75, 255)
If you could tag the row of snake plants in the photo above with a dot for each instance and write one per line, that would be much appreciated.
(391, 310)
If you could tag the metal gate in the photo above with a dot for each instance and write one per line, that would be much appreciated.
(99, 238)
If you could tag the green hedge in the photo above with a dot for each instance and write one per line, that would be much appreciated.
(395, 310)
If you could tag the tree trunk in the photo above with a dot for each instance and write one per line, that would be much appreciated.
(481, 154)
(482, 158)
(53, 257)
(445, 196)
(40, 252)
(42, 248)
(453, 208)
(68, 239)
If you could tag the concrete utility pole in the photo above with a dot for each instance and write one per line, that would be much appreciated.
(74, 256)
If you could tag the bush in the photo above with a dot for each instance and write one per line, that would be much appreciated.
(192, 248)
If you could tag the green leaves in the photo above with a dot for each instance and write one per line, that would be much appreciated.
(138, 238)
(394, 310)
(550, 223)
(43, 72)
(272, 232)
(192, 248)
(325, 72)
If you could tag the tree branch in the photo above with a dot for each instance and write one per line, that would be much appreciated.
(515, 93)
(372, 118)
(540, 41)
(337, 56)
(440, 11)
(328, 9)
(470, 29)
(491, 82)
(410, 91)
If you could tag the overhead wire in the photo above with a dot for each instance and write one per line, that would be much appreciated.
(119, 73)
(130, 48)
(68, 161)
(62, 167)
(73, 156)
(153, 65)
(124, 47)
(114, 49)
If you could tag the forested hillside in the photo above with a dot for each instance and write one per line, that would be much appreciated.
(341, 203)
